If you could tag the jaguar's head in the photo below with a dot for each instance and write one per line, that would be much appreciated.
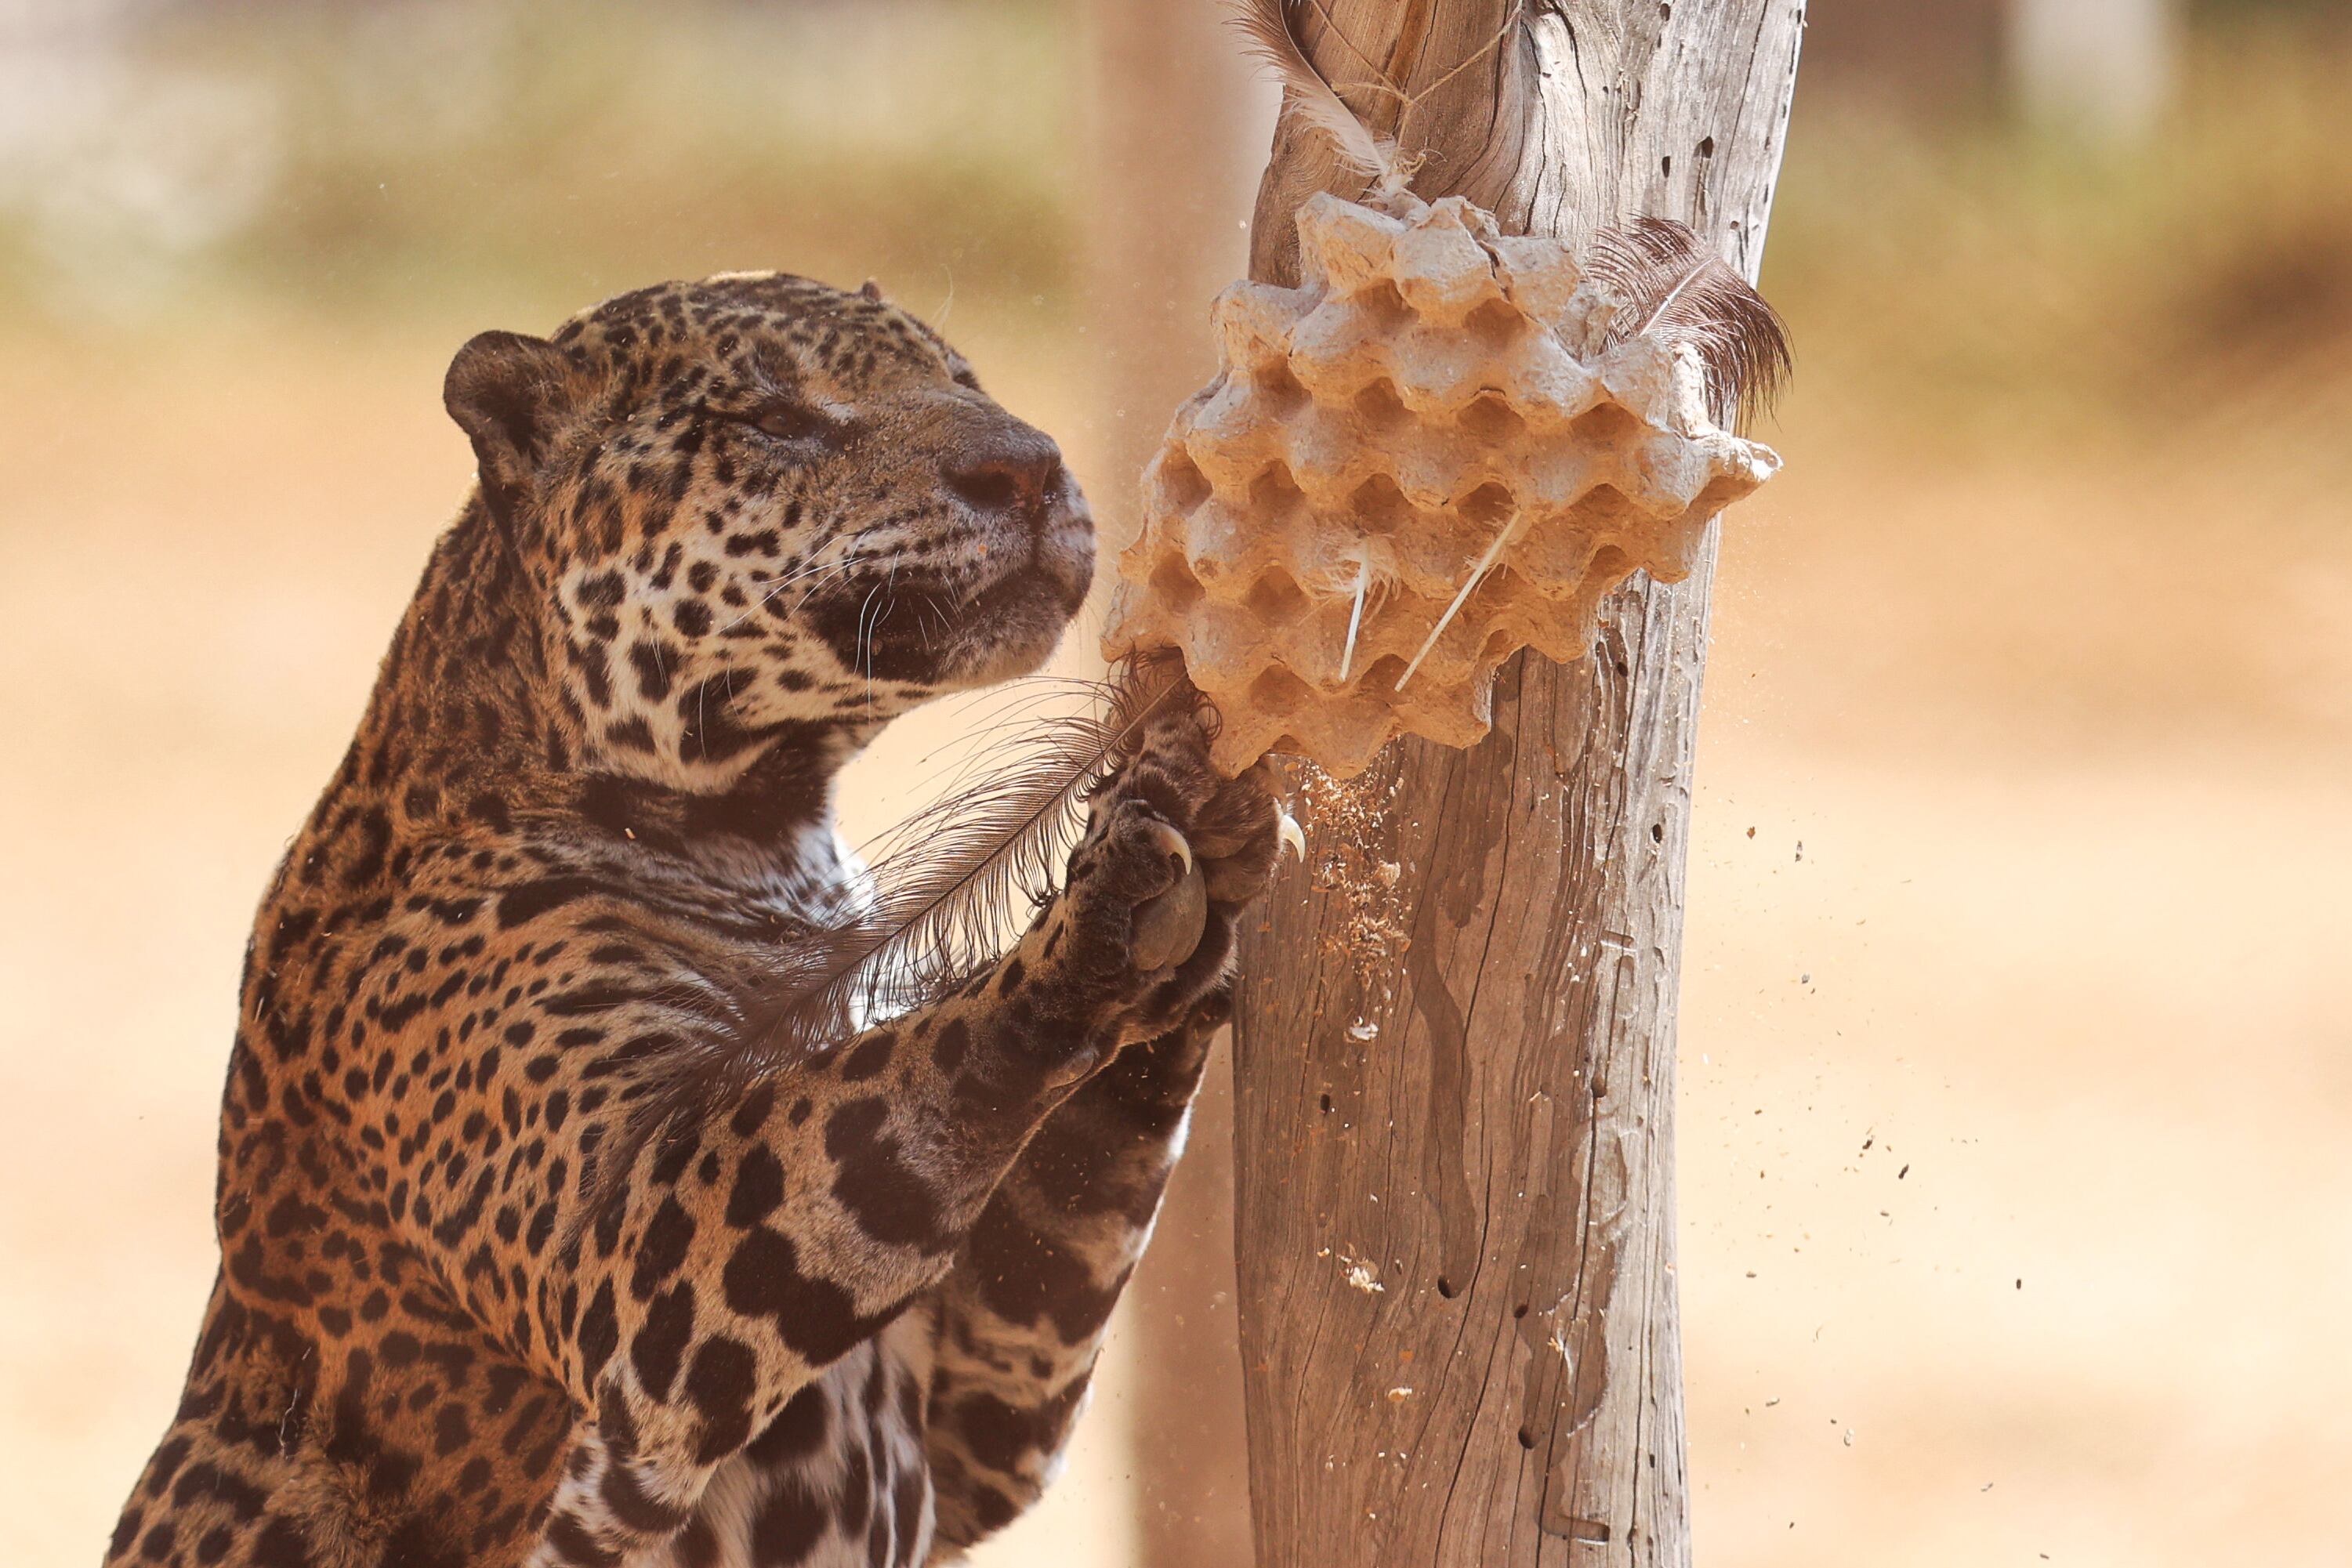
(755, 504)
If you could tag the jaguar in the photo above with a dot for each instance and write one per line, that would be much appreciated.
(842, 1304)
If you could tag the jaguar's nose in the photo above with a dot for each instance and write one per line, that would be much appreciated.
(1017, 471)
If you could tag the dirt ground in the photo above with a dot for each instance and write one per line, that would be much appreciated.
(2017, 1064)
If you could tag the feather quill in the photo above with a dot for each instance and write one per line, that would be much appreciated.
(1268, 31)
(948, 887)
(1669, 286)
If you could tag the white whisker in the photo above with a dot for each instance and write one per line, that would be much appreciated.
(864, 647)
(768, 595)
(846, 568)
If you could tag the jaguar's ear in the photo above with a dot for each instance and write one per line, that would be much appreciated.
(508, 393)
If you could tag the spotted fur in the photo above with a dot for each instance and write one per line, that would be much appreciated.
(723, 531)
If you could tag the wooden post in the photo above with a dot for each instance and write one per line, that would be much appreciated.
(1454, 1058)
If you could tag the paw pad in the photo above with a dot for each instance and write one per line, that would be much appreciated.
(1168, 926)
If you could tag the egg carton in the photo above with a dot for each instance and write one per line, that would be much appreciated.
(1412, 465)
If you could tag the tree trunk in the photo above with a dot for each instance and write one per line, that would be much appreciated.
(1455, 1060)
(1177, 123)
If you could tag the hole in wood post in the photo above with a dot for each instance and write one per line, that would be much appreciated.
(1706, 147)
(1526, 1438)
(1657, 832)
(1446, 1287)
(1520, 1311)
(1327, 1104)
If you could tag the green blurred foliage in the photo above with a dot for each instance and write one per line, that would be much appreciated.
(1954, 276)
(1978, 282)
(376, 159)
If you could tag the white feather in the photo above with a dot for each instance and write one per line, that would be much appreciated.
(1356, 617)
(1477, 575)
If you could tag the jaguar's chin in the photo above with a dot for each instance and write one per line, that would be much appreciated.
(1011, 623)
(953, 637)
(1011, 627)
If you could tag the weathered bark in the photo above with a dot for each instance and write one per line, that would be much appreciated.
(1177, 127)
(1456, 1235)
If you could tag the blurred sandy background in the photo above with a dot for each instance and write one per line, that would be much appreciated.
(2017, 1051)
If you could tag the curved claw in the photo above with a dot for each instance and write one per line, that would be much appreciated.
(1289, 835)
(1175, 845)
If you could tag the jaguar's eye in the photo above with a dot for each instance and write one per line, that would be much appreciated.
(789, 423)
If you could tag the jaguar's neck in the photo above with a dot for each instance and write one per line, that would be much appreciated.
(473, 729)
(464, 717)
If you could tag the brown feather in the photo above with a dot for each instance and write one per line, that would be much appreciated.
(948, 885)
(1268, 31)
(1669, 285)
